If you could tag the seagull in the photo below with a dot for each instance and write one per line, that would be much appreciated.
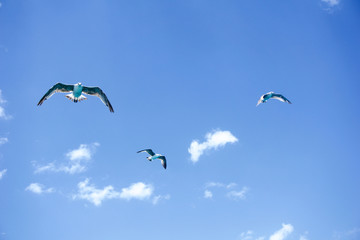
(269, 95)
(154, 156)
(76, 93)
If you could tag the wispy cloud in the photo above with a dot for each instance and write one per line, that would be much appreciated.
(3, 140)
(350, 234)
(2, 173)
(213, 140)
(353, 232)
(38, 188)
(219, 184)
(233, 194)
(249, 235)
(281, 234)
(96, 196)
(302, 237)
(331, 3)
(158, 198)
(238, 194)
(3, 114)
(77, 160)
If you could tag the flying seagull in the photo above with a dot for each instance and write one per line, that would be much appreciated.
(76, 93)
(154, 156)
(269, 95)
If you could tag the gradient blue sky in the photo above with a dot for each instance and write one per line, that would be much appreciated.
(174, 72)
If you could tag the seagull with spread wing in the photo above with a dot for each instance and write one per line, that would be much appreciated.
(76, 93)
(154, 156)
(269, 95)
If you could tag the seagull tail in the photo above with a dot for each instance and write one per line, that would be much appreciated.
(81, 98)
(72, 98)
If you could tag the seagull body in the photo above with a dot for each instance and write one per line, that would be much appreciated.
(154, 156)
(76, 93)
(267, 96)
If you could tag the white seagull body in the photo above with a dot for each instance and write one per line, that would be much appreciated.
(76, 93)
(269, 95)
(154, 156)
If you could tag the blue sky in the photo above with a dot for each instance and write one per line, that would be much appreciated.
(180, 74)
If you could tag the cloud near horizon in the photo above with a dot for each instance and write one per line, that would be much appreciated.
(214, 140)
(96, 196)
(281, 234)
(77, 160)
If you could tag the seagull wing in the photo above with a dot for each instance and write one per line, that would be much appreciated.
(96, 91)
(281, 98)
(59, 87)
(149, 151)
(260, 100)
(163, 161)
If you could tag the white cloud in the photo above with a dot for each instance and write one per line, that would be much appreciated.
(331, 3)
(238, 194)
(2, 173)
(137, 190)
(248, 235)
(84, 152)
(213, 141)
(3, 114)
(94, 195)
(38, 188)
(77, 160)
(157, 198)
(283, 232)
(89, 192)
(3, 140)
(302, 238)
(208, 194)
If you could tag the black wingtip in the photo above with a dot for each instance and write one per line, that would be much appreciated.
(40, 102)
(110, 107)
